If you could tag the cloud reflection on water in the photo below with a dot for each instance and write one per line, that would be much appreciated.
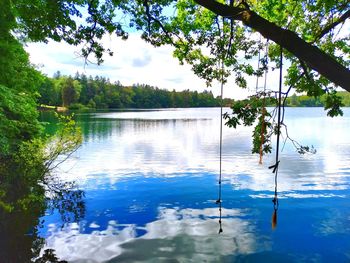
(169, 142)
(176, 234)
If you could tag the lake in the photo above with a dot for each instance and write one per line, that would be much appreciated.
(150, 181)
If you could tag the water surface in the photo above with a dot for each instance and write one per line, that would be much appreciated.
(151, 180)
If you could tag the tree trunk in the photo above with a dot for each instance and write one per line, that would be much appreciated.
(310, 54)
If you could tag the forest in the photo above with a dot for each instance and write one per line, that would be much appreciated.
(307, 101)
(81, 92)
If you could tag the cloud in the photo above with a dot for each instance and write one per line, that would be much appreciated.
(134, 61)
(141, 61)
(176, 80)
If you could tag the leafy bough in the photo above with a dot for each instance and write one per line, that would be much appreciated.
(260, 110)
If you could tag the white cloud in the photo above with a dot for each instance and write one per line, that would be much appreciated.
(134, 61)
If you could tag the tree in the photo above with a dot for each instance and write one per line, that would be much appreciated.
(321, 19)
(22, 143)
(307, 30)
(70, 90)
(48, 93)
(19, 82)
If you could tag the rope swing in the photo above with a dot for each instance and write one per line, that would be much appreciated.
(277, 161)
(218, 201)
(263, 113)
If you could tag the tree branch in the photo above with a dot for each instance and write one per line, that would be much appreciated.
(166, 32)
(314, 57)
(329, 27)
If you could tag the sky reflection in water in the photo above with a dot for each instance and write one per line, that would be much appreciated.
(150, 180)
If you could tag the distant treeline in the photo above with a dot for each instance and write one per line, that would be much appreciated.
(81, 91)
(98, 92)
(306, 101)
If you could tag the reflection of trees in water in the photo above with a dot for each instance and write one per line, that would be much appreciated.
(20, 240)
(24, 197)
(19, 235)
(49, 256)
(146, 125)
(100, 128)
(68, 201)
(50, 120)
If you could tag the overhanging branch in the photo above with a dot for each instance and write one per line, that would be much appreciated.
(314, 57)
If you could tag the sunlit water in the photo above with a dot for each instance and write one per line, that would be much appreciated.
(151, 180)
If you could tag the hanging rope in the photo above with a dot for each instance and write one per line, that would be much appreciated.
(219, 201)
(275, 166)
(221, 105)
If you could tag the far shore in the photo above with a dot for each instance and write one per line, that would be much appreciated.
(56, 108)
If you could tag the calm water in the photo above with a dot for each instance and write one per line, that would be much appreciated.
(151, 180)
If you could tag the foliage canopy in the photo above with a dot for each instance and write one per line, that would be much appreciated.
(314, 34)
